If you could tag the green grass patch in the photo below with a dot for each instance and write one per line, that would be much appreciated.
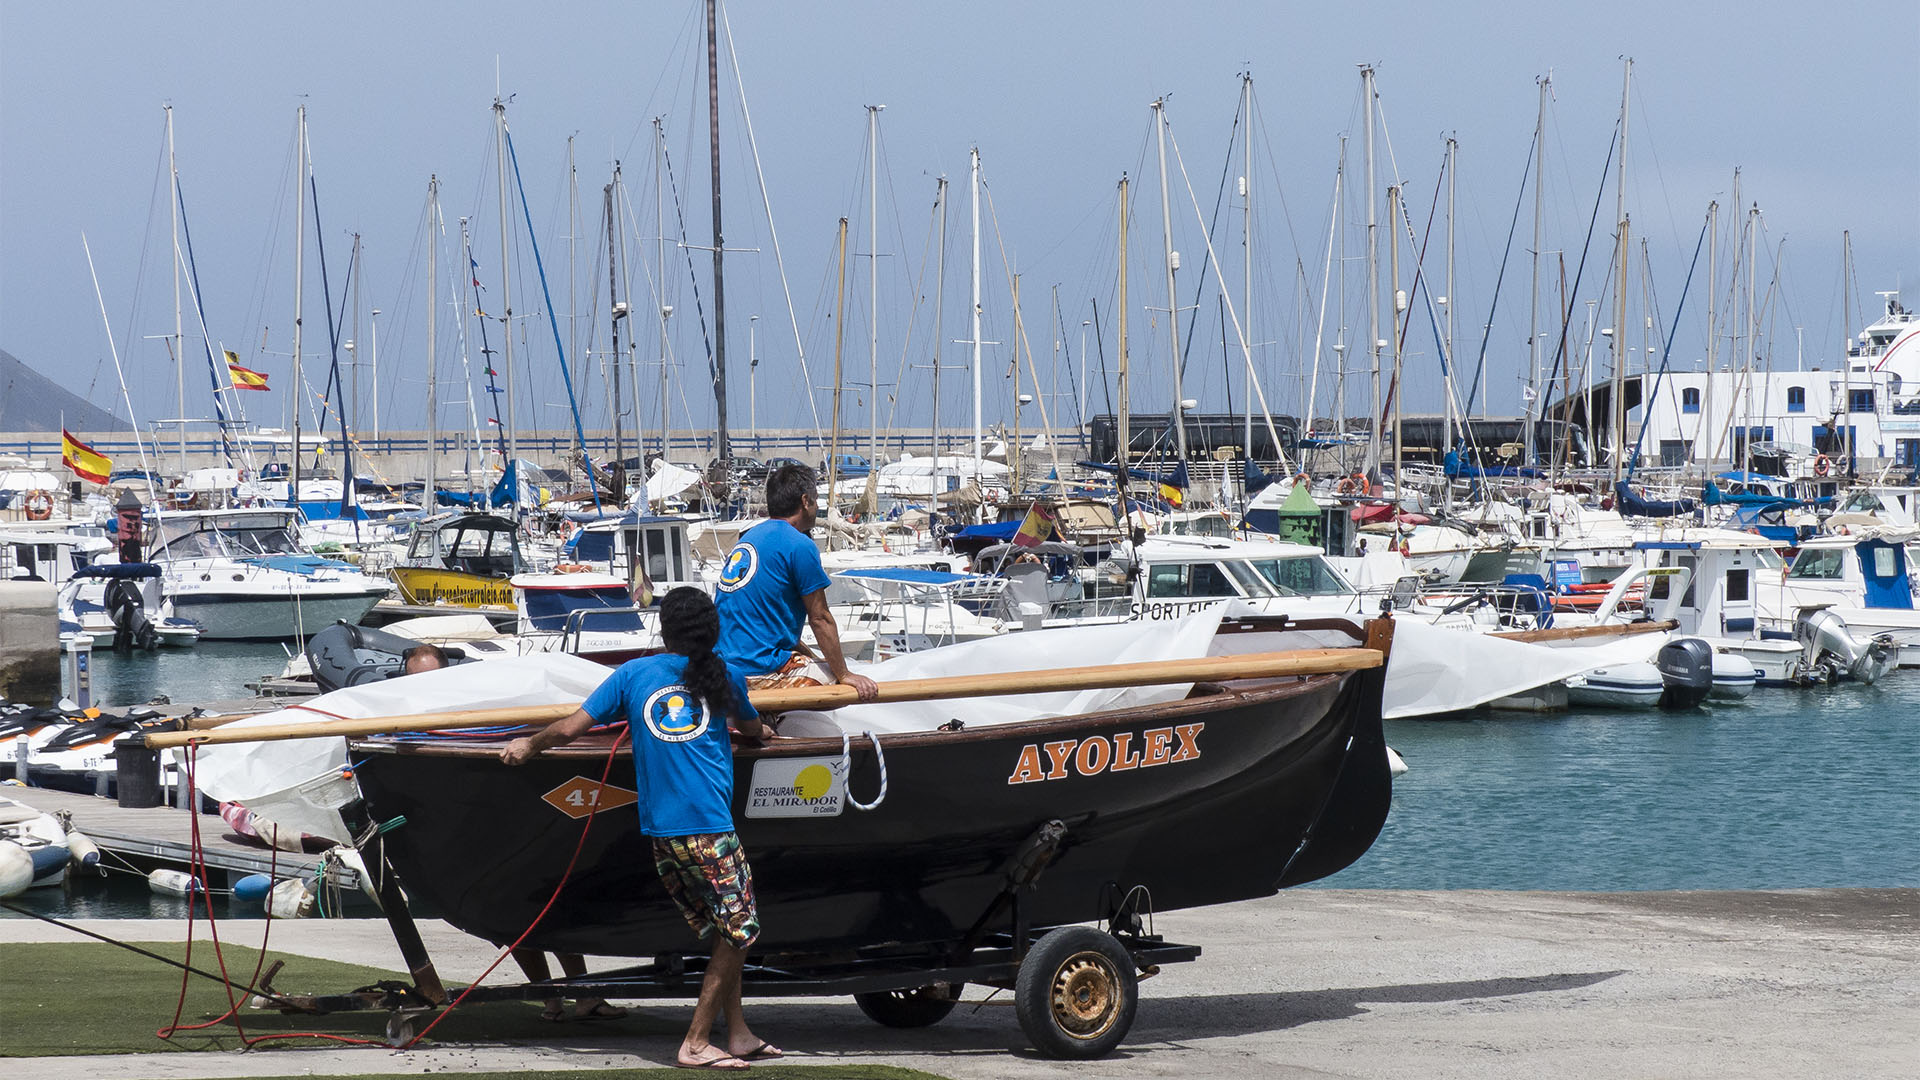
(94, 998)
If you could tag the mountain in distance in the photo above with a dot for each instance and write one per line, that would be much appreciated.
(29, 401)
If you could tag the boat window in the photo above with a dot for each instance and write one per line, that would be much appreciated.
(593, 546)
(1883, 563)
(1737, 586)
(1188, 579)
(1768, 558)
(1251, 581)
(1818, 564)
(1304, 575)
(548, 609)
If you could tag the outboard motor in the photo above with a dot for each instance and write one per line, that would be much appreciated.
(126, 604)
(1830, 649)
(346, 655)
(1686, 672)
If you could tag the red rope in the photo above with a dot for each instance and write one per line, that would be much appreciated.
(565, 875)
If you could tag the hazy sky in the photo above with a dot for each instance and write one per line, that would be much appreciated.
(1814, 109)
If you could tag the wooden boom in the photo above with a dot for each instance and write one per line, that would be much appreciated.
(1145, 673)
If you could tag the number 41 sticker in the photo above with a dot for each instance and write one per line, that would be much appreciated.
(580, 796)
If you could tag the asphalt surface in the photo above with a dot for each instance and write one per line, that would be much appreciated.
(1311, 983)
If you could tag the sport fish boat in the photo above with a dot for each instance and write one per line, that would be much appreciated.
(241, 575)
(1099, 804)
(460, 560)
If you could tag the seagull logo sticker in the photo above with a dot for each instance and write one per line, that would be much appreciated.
(674, 715)
(739, 568)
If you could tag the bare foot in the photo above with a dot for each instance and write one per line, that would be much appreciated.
(757, 1051)
(710, 1057)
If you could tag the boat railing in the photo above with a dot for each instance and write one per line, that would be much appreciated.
(576, 624)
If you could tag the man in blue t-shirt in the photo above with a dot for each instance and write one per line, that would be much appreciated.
(772, 584)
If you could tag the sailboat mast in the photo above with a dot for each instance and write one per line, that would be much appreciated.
(1320, 322)
(719, 240)
(614, 314)
(1123, 452)
(839, 343)
(979, 436)
(433, 366)
(1616, 408)
(1373, 277)
(1705, 426)
(506, 303)
(873, 291)
(660, 265)
(1399, 389)
(1846, 323)
(1533, 302)
(939, 311)
(179, 335)
(1246, 243)
(1453, 159)
(299, 266)
(1172, 264)
(353, 405)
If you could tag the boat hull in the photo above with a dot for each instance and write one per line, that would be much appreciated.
(1257, 787)
(256, 617)
(426, 585)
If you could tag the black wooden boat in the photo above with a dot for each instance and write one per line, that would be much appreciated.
(1238, 790)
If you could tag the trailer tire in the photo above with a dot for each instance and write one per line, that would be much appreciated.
(1076, 993)
(922, 1006)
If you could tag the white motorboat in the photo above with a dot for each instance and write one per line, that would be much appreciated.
(126, 600)
(242, 575)
(1617, 686)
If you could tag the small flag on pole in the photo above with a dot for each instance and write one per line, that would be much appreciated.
(1172, 494)
(84, 460)
(1035, 529)
(244, 378)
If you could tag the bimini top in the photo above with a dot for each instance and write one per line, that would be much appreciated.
(907, 574)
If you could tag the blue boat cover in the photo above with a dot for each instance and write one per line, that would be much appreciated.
(1633, 505)
(905, 573)
(119, 570)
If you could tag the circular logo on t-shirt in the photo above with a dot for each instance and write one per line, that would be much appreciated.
(674, 714)
(739, 569)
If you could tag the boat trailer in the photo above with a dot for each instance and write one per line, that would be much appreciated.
(1075, 988)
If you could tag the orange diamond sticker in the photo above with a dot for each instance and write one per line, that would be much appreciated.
(580, 796)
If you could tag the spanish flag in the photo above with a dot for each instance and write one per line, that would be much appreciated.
(1035, 529)
(84, 460)
(244, 378)
(1173, 495)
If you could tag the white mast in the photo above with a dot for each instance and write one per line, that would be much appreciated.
(1373, 278)
(873, 295)
(506, 303)
(1533, 296)
(1172, 262)
(1320, 324)
(979, 438)
(660, 264)
(433, 365)
(299, 261)
(1616, 410)
(1246, 242)
(179, 337)
(939, 310)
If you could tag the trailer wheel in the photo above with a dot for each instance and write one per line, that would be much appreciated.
(922, 1006)
(1076, 993)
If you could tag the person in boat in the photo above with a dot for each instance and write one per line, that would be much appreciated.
(676, 705)
(772, 584)
(422, 658)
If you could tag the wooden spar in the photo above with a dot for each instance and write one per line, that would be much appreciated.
(1571, 633)
(1146, 673)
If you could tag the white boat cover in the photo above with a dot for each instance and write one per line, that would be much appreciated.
(667, 481)
(290, 782)
(1033, 650)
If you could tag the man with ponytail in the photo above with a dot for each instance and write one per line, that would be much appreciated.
(676, 706)
(772, 584)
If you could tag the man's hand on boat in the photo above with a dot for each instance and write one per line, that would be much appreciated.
(865, 687)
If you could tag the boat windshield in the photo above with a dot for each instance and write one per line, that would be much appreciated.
(1302, 575)
(548, 609)
(1819, 564)
(236, 538)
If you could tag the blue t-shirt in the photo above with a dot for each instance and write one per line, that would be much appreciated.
(761, 586)
(681, 754)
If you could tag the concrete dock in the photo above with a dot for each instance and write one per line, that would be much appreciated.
(1311, 983)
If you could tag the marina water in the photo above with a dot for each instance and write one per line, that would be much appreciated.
(1792, 789)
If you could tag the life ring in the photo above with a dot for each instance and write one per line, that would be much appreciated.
(1821, 466)
(39, 506)
(571, 568)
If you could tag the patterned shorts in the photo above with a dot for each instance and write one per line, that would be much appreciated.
(708, 877)
(799, 670)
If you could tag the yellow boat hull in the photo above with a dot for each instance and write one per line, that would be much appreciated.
(425, 585)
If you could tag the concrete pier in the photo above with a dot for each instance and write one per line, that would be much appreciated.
(1311, 983)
